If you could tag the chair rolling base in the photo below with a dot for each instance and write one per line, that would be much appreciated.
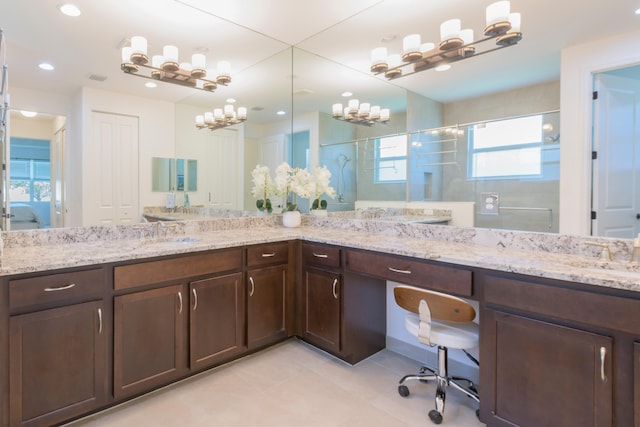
(443, 380)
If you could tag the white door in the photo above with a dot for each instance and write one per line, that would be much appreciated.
(616, 171)
(57, 179)
(114, 169)
(272, 151)
(222, 172)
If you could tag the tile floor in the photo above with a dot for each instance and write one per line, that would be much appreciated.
(292, 384)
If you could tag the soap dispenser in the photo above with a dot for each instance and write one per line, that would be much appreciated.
(635, 255)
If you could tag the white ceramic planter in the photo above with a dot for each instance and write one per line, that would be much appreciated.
(291, 219)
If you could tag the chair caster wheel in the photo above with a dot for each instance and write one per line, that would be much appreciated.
(403, 390)
(435, 416)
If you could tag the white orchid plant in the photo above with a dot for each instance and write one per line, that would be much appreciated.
(320, 183)
(291, 183)
(263, 188)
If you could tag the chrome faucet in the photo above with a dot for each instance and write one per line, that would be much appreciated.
(158, 228)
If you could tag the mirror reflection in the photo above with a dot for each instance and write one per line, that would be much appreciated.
(174, 174)
(303, 80)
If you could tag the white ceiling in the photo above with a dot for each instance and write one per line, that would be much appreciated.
(334, 39)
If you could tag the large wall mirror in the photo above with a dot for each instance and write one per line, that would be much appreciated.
(289, 86)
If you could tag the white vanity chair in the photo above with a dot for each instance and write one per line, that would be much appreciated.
(446, 321)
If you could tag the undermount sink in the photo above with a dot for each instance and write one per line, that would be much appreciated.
(176, 240)
(415, 219)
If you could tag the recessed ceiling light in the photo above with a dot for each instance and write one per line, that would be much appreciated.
(69, 9)
(281, 113)
(151, 84)
(637, 11)
(28, 113)
(443, 67)
(347, 93)
(231, 101)
(46, 66)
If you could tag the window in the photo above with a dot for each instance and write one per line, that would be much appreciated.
(391, 159)
(506, 148)
(30, 180)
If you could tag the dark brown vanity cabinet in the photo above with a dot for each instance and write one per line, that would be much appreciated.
(555, 353)
(173, 316)
(58, 341)
(321, 302)
(216, 320)
(268, 294)
(148, 339)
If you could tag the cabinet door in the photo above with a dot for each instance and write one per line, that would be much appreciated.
(148, 341)
(217, 319)
(542, 374)
(58, 361)
(266, 305)
(321, 307)
(636, 383)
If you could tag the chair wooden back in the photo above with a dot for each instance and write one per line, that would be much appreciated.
(442, 306)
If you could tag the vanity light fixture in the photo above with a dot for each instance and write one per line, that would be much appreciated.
(455, 44)
(361, 113)
(167, 68)
(221, 117)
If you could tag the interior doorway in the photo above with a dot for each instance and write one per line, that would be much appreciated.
(616, 160)
(34, 193)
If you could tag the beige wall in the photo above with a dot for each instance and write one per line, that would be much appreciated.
(517, 102)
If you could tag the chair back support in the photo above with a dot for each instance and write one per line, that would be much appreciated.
(442, 306)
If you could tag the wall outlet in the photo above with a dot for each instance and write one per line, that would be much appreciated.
(489, 204)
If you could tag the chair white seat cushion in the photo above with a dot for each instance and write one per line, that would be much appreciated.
(447, 334)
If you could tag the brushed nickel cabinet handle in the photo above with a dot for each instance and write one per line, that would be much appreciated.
(333, 290)
(60, 288)
(395, 270)
(603, 355)
(269, 255)
(253, 286)
(99, 321)
(195, 299)
(180, 301)
(320, 255)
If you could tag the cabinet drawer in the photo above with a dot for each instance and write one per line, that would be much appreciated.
(146, 273)
(327, 256)
(412, 272)
(52, 288)
(271, 253)
(589, 308)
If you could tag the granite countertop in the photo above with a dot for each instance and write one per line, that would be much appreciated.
(576, 268)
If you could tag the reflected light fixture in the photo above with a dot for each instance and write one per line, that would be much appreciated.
(456, 44)
(361, 113)
(221, 117)
(167, 68)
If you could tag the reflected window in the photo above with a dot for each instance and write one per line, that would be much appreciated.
(30, 181)
(506, 148)
(391, 159)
